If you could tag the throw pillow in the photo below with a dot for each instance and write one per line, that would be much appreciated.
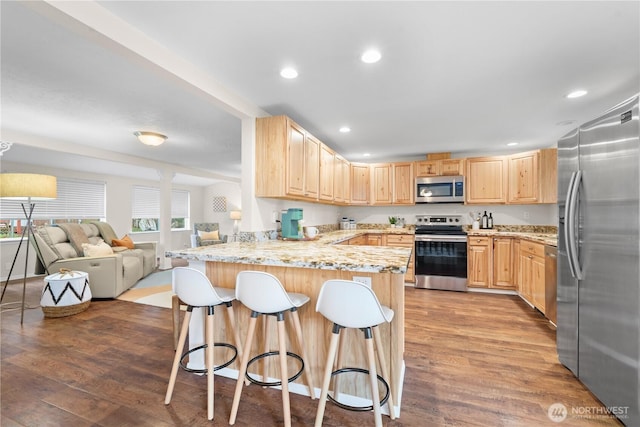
(125, 241)
(209, 235)
(99, 249)
(106, 232)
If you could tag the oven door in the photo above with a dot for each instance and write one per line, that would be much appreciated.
(441, 262)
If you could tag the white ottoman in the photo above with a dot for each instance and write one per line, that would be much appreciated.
(65, 293)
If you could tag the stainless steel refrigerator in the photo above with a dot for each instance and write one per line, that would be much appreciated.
(598, 332)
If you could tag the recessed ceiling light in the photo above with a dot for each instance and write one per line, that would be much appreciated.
(511, 144)
(366, 155)
(289, 73)
(345, 129)
(371, 56)
(565, 122)
(577, 94)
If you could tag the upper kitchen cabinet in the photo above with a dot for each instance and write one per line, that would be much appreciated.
(327, 173)
(439, 167)
(287, 160)
(533, 177)
(486, 180)
(341, 180)
(403, 183)
(360, 176)
(381, 184)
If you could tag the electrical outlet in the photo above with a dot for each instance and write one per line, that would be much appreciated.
(362, 279)
(525, 214)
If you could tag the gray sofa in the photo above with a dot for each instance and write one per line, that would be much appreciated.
(109, 274)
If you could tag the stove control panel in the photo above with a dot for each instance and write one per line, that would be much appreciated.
(438, 219)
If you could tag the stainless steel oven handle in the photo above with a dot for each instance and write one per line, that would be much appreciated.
(455, 239)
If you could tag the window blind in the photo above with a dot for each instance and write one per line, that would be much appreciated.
(146, 203)
(77, 199)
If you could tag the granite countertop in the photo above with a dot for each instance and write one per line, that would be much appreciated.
(550, 239)
(321, 253)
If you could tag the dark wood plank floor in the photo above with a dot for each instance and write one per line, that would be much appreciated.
(471, 360)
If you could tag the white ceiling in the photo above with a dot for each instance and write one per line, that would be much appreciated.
(463, 77)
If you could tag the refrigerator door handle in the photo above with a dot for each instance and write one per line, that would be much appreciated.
(571, 213)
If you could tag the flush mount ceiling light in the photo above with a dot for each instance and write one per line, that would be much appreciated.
(150, 138)
(577, 94)
(511, 144)
(345, 129)
(366, 155)
(288, 73)
(371, 56)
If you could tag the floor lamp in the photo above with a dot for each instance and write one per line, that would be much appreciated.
(27, 188)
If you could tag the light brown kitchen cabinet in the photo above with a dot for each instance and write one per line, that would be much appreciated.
(440, 167)
(287, 160)
(479, 261)
(406, 241)
(532, 286)
(403, 184)
(341, 180)
(381, 184)
(374, 239)
(486, 180)
(360, 175)
(503, 263)
(533, 177)
(359, 240)
(428, 168)
(327, 173)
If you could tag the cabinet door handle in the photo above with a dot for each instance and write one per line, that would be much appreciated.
(530, 257)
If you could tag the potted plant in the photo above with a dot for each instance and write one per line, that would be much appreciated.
(392, 221)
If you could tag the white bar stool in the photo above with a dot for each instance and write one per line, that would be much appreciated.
(350, 304)
(194, 289)
(263, 294)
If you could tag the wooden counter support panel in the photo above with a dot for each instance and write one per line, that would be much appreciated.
(389, 289)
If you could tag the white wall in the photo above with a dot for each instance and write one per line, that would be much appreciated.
(546, 214)
(118, 211)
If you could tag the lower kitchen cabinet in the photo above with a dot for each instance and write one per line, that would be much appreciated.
(479, 261)
(533, 274)
(407, 241)
(503, 277)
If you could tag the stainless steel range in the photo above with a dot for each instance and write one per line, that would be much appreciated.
(441, 252)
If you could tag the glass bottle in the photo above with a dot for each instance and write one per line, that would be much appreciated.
(485, 221)
(490, 221)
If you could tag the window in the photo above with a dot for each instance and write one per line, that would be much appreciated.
(77, 201)
(146, 209)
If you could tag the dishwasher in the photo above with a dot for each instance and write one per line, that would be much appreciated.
(550, 282)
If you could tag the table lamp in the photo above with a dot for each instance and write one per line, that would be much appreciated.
(235, 216)
(28, 188)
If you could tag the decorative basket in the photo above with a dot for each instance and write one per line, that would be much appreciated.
(65, 293)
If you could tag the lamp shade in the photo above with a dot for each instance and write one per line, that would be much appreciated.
(235, 215)
(24, 186)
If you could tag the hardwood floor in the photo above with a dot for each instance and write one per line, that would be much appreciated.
(471, 360)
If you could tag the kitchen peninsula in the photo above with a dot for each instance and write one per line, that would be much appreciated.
(303, 266)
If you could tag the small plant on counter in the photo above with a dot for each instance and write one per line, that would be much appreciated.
(393, 220)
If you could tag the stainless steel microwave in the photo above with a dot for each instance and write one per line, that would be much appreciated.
(440, 189)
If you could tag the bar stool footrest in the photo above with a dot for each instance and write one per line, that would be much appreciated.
(274, 383)
(359, 408)
(183, 365)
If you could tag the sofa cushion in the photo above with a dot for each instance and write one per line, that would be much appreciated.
(106, 231)
(76, 236)
(100, 249)
(125, 241)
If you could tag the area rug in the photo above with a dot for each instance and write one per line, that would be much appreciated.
(158, 296)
